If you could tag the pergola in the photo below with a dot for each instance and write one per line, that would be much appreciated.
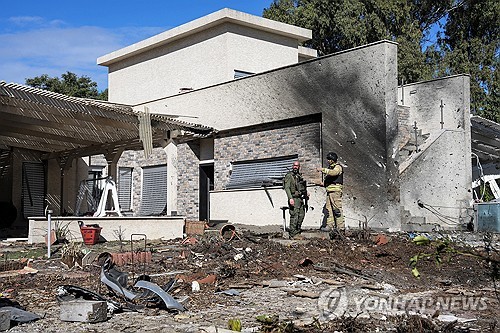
(485, 139)
(64, 128)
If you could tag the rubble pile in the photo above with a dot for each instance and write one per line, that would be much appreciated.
(259, 282)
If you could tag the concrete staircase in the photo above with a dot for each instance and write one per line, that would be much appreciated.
(411, 223)
(412, 146)
(408, 222)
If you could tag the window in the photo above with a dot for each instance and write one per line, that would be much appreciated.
(259, 173)
(33, 191)
(239, 74)
(124, 188)
(154, 190)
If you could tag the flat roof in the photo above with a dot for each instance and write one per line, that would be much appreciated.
(203, 23)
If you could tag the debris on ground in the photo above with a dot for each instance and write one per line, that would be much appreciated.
(259, 282)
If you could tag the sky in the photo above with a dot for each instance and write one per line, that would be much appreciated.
(56, 36)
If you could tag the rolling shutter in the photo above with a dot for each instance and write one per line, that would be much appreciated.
(124, 188)
(258, 173)
(33, 191)
(154, 190)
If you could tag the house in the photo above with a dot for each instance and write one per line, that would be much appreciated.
(232, 100)
(346, 102)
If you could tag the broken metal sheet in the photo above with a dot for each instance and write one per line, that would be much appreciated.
(169, 301)
(229, 292)
(111, 281)
(170, 284)
(20, 315)
(120, 277)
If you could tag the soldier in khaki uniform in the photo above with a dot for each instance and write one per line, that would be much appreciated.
(296, 191)
(333, 183)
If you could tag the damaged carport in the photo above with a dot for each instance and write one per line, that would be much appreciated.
(55, 131)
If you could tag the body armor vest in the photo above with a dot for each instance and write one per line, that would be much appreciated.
(338, 179)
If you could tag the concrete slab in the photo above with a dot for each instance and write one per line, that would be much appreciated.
(84, 311)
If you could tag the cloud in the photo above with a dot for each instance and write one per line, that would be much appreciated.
(53, 48)
(25, 20)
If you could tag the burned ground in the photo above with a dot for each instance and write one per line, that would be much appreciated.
(272, 284)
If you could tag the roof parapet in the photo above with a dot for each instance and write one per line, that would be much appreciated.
(203, 23)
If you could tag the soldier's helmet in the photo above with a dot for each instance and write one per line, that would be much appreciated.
(332, 156)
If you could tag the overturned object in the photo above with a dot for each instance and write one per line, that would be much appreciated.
(168, 300)
(117, 281)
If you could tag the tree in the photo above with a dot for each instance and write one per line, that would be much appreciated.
(343, 24)
(69, 84)
(469, 44)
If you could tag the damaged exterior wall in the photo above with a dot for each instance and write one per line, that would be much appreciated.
(356, 93)
(440, 175)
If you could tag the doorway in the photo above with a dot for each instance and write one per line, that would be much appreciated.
(206, 185)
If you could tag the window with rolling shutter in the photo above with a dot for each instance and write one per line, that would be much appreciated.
(259, 173)
(33, 191)
(154, 190)
(124, 188)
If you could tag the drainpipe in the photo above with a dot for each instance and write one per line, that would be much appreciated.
(49, 231)
(61, 202)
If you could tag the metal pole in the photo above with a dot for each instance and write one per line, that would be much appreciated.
(442, 120)
(416, 136)
(61, 202)
(49, 233)
(402, 92)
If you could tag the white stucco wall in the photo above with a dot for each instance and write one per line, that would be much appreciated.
(255, 207)
(441, 175)
(440, 179)
(206, 58)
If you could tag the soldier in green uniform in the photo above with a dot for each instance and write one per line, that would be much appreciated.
(296, 191)
(333, 183)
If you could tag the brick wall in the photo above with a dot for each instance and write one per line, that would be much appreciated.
(136, 161)
(302, 139)
(188, 182)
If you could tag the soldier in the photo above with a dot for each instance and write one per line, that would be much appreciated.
(296, 191)
(333, 183)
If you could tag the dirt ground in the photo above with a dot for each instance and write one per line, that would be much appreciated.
(271, 284)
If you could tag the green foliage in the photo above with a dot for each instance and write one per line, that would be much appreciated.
(468, 44)
(69, 84)
(439, 249)
(62, 230)
(272, 323)
(234, 325)
(471, 44)
(485, 192)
